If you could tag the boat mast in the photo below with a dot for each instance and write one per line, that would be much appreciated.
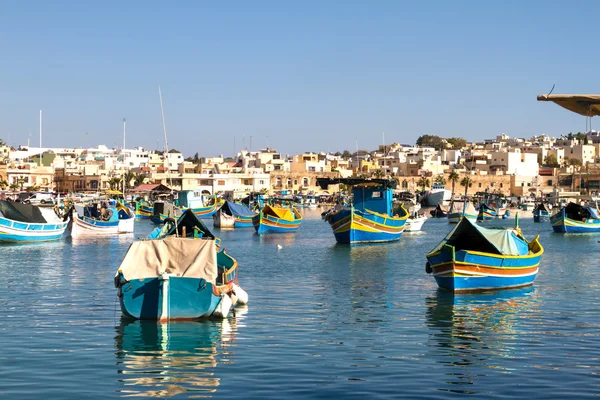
(162, 112)
(40, 138)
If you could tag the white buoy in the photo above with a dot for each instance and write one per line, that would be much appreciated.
(242, 296)
(279, 247)
(222, 310)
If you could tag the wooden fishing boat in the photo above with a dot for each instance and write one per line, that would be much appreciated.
(204, 206)
(143, 209)
(414, 223)
(460, 210)
(541, 213)
(232, 215)
(486, 212)
(474, 258)
(110, 218)
(574, 218)
(371, 217)
(23, 223)
(178, 273)
(439, 212)
(273, 219)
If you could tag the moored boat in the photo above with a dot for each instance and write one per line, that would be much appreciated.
(371, 217)
(541, 213)
(23, 223)
(474, 258)
(232, 215)
(460, 210)
(486, 212)
(108, 218)
(414, 223)
(273, 219)
(439, 212)
(180, 272)
(575, 218)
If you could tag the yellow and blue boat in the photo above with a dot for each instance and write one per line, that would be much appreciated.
(473, 258)
(371, 218)
(143, 209)
(574, 218)
(272, 219)
(233, 215)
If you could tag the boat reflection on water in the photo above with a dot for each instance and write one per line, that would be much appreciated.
(168, 359)
(476, 331)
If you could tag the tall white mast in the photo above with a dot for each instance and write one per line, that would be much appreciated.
(162, 112)
(124, 122)
(40, 138)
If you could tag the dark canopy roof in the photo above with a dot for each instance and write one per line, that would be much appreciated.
(189, 220)
(231, 208)
(584, 104)
(325, 182)
(21, 212)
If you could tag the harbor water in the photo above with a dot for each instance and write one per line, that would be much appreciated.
(324, 321)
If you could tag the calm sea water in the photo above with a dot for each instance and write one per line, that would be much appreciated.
(324, 321)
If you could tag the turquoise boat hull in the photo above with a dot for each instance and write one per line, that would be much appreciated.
(189, 298)
(356, 226)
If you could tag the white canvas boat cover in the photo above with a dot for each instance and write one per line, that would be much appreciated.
(195, 258)
(469, 208)
(469, 236)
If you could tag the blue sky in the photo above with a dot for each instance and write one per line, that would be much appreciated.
(309, 75)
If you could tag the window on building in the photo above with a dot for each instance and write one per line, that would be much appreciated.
(305, 182)
(549, 182)
(522, 183)
(501, 185)
(480, 185)
(221, 182)
(246, 181)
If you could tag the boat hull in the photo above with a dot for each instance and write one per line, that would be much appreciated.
(472, 271)
(84, 226)
(442, 197)
(541, 216)
(222, 220)
(352, 226)
(269, 224)
(22, 232)
(187, 298)
(414, 224)
(562, 224)
(205, 212)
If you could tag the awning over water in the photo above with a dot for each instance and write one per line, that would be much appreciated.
(584, 104)
(469, 236)
(238, 210)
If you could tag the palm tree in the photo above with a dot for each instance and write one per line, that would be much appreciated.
(3, 184)
(139, 179)
(423, 182)
(114, 182)
(467, 183)
(22, 180)
(440, 180)
(128, 177)
(453, 177)
(378, 174)
(13, 186)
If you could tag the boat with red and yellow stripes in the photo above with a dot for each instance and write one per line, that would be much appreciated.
(472, 258)
(272, 219)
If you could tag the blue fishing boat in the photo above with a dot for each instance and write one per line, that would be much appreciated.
(473, 258)
(372, 216)
(575, 218)
(233, 215)
(541, 213)
(272, 219)
(486, 212)
(204, 206)
(143, 209)
(106, 218)
(22, 223)
(178, 273)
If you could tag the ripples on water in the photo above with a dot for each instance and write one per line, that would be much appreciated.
(324, 320)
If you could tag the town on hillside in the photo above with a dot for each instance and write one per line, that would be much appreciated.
(503, 165)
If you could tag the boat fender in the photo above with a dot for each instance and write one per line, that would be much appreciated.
(428, 267)
(241, 294)
(223, 308)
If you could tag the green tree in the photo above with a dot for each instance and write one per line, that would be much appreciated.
(550, 161)
(346, 154)
(114, 183)
(430, 141)
(467, 183)
(378, 174)
(423, 182)
(3, 183)
(440, 180)
(22, 180)
(457, 143)
(13, 186)
(453, 177)
(139, 179)
(174, 151)
(575, 162)
(127, 178)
